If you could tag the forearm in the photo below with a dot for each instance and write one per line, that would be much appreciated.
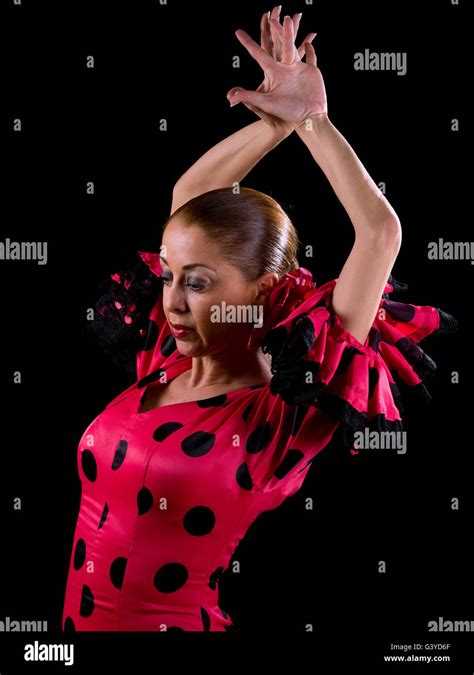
(231, 159)
(368, 209)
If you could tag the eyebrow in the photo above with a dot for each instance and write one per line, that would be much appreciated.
(190, 266)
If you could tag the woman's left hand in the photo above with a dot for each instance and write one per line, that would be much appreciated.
(292, 90)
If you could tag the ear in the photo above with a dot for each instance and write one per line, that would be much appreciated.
(265, 284)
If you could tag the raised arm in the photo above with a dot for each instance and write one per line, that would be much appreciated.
(297, 95)
(229, 161)
(232, 159)
(364, 275)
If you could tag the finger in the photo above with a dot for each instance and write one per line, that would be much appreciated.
(263, 59)
(276, 27)
(276, 33)
(232, 92)
(310, 54)
(250, 97)
(296, 24)
(275, 14)
(266, 41)
(288, 46)
(301, 49)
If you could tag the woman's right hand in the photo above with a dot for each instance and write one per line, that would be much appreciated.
(295, 89)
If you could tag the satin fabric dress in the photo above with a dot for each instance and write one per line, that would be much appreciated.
(167, 494)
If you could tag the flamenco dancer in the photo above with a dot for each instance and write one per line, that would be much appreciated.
(225, 417)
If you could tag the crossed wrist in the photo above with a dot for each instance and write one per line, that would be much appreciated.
(312, 122)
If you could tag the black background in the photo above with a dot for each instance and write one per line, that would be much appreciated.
(298, 567)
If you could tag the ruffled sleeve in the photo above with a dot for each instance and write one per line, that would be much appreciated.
(322, 373)
(129, 323)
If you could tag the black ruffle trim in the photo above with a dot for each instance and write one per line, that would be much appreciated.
(289, 371)
(353, 421)
(119, 340)
(447, 323)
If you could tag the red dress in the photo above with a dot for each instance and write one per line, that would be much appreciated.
(168, 494)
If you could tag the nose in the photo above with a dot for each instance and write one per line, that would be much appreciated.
(174, 298)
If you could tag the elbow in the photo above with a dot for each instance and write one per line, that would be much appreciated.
(179, 190)
(388, 235)
(393, 226)
(393, 233)
(181, 195)
(385, 225)
(183, 191)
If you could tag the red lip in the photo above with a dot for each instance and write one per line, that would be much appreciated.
(180, 326)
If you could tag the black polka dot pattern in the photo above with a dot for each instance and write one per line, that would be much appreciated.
(120, 453)
(117, 571)
(151, 377)
(197, 444)
(79, 554)
(199, 521)
(87, 602)
(247, 411)
(168, 346)
(89, 465)
(258, 439)
(212, 402)
(103, 517)
(164, 430)
(170, 577)
(290, 460)
(242, 476)
(144, 501)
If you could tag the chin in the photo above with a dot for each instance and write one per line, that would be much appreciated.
(188, 349)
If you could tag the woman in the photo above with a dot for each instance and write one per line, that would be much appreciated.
(244, 367)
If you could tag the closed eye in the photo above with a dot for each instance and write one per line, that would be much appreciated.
(195, 287)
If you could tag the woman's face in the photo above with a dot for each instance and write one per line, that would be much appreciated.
(196, 281)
